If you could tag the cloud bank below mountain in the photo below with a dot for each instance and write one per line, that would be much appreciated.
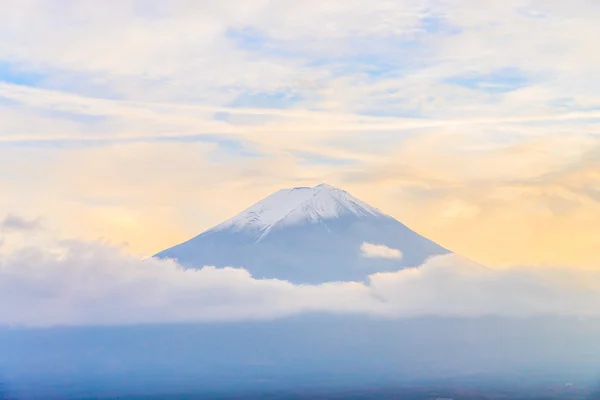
(58, 282)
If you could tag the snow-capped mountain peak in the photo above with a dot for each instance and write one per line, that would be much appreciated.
(296, 206)
(307, 235)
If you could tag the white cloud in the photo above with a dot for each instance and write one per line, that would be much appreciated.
(91, 283)
(78, 283)
(371, 250)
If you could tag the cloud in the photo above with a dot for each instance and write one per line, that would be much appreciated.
(379, 251)
(70, 282)
(16, 223)
(92, 283)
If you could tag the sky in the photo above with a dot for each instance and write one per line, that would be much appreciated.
(142, 123)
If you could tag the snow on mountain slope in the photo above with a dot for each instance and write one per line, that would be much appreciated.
(295, 206)
(306, 235)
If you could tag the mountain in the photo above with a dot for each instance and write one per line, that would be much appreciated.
(308, 235)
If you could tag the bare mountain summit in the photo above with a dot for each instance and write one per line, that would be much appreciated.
(308, 235)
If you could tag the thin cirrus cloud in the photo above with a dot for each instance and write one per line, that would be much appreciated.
(67, 282)
(371, 250)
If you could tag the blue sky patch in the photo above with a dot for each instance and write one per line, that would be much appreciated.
(370, 65)
(500, 81)
(253, 40)
(279, 99)
(247, 38)
(437, 24)
(13, 73)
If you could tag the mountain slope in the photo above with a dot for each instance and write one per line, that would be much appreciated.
(306, 235)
